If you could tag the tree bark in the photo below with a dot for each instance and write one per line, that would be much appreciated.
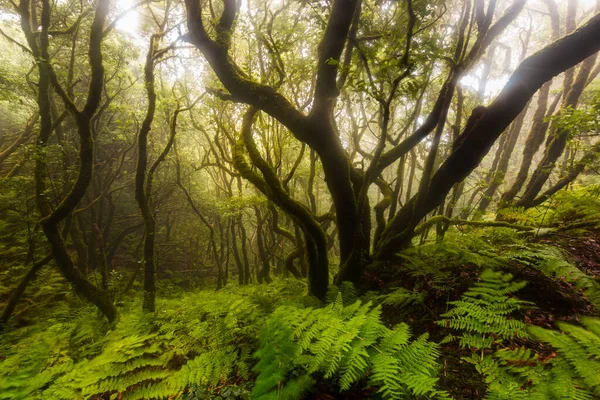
(264, 275)
(269, 184)
(141, 194)
(236, 253)
(532, 144)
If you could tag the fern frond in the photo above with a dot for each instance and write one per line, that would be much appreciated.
(346, 343)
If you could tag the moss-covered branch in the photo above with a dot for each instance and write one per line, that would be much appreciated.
(479, 224)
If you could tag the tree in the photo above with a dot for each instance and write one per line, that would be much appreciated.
(348, 185)
(48, 81)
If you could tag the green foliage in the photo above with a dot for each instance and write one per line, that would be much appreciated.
(204, 344)
(235, 205)
(581, 120)
(400, 298)
(17, 218)
(36, 356)
(482, 314)
(551, 261)
(276, 361)
(580, 204)
(205, 339)
(570, 373)
(48, 290)
(513, 372)
(346, 290)
(439, 263)
(272, 341)
(345, 344)
(434, 256)
(483, 318)
(579, 355)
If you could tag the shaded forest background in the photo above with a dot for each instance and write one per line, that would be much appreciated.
(277, 198)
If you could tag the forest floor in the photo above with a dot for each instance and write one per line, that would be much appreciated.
(203, 344)
(556, 292)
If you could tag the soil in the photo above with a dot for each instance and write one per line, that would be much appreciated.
(555, 299)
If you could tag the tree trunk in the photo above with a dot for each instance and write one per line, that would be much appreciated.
(244, 240)
(557, 144)
(263, 275)
(532, 144)
(103, 263)
(236, 253)
(270, 185)
(18, 292)
(53, 217)
(141, 196)
(498, 175)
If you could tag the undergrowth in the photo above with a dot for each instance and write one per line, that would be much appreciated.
(575, 207)
(274, 342)
(483, 317)
(347, 344)
(439, 265)
(204, 339)
(210, 343)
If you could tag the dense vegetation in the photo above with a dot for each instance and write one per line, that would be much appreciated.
(287, 199)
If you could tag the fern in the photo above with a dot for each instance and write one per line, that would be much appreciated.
(579, 353)
(276, 355)
(35, 362)
(482, 312)
(344, 344)
(205, 339)
(571, 374)
(346, 290)
(437, 262)
(552, 262)
(400, 298)
(483, 318)
(581, 203)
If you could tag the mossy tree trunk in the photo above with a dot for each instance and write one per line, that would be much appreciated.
(38, 42)
(141, 192)
(264, 274)
(236, 252)
(144, 176)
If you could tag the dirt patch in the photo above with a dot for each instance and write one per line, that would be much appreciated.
(457, 376)
(584, 250)
(552, 297)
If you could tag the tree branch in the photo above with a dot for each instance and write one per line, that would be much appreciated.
(485, 126)
(330, 51)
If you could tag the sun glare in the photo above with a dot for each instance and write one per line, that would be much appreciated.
(129, 22)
